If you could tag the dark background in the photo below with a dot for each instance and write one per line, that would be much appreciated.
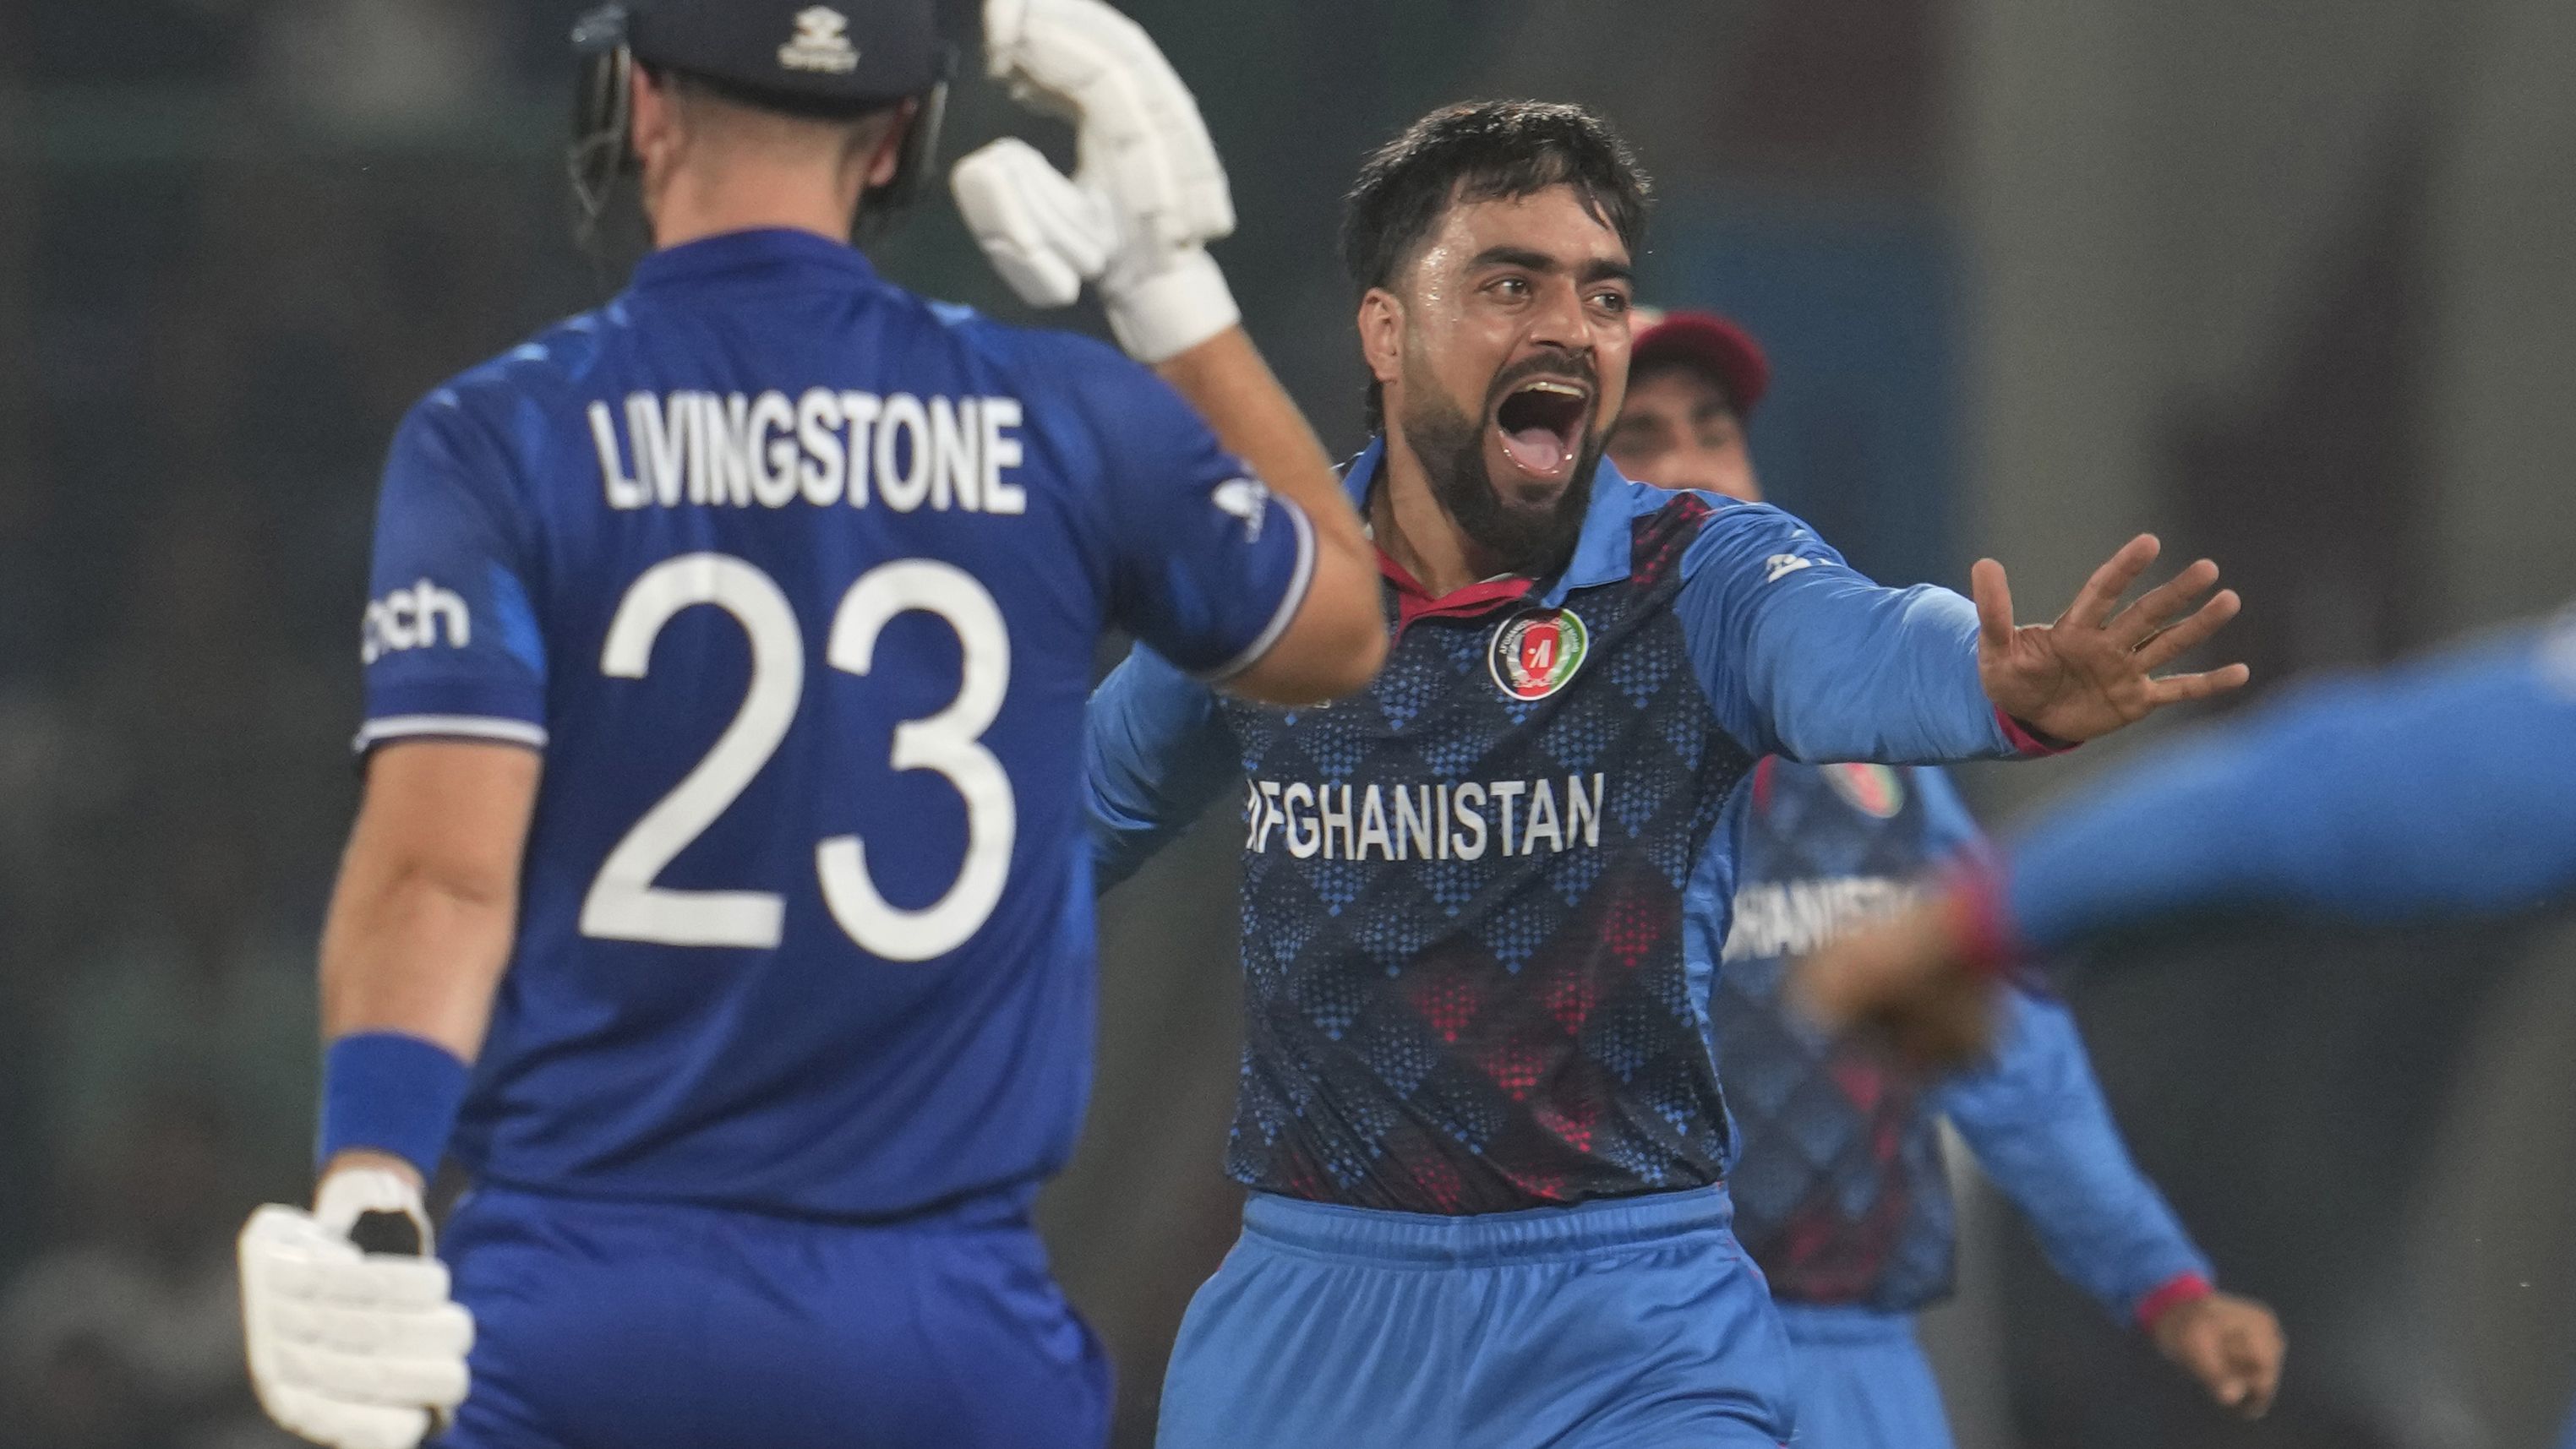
(2287, 280)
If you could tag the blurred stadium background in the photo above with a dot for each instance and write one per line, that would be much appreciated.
(2290, 280)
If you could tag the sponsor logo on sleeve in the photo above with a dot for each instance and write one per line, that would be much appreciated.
(1536, 653)
(821, 43)
(1780, 565)
(418, 617)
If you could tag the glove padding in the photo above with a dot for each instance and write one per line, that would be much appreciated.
(1147, 195)
(351, 1349)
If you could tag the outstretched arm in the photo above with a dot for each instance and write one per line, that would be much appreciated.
(1803, 656)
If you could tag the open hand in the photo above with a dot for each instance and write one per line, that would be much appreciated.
(2232, 1345)
(2093, 670)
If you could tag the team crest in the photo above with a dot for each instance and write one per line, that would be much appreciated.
(1536, 653)
(1870, 789)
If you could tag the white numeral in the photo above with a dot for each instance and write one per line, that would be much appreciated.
(624, 904)
(948, 742)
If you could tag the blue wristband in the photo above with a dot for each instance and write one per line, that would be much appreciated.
(389, 1092)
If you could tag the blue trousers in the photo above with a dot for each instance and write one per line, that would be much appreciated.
(1862, 1381)
(622, 1325)
(1635, 1323)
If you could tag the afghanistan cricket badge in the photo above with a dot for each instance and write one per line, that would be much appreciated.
(1870, 789)
(1537, 652)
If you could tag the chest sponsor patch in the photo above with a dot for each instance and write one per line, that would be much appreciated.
(1870, 789)
(1537, 652)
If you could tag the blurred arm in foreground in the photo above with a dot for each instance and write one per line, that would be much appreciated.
(2446, 786)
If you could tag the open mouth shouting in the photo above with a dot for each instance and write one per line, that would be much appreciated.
(1541, 423)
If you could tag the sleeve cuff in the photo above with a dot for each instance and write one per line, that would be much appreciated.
(495, 728)
(2029, 742)
(2181, 1288)
(1981, 923)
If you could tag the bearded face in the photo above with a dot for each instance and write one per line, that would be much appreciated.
(1527, 515)
(1503, 353)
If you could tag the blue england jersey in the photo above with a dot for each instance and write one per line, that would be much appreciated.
(1471, 982)
(1841, 1194)
(797, 579)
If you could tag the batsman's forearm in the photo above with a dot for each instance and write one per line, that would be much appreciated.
(1231, 387)
(423, 915)
(408, 952)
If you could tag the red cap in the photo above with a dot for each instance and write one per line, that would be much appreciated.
(1706, 340)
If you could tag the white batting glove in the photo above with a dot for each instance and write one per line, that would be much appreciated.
(351, 1349)
(1147, 193)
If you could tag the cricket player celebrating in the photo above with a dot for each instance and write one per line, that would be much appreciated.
(1840, 1191)
(718, 898)
(1479, 1111)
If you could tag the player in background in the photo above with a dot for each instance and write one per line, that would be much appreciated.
(1841, 1194)
(718, 898)
(1479, 1112)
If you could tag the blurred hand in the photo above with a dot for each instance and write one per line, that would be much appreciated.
(1909, 980)
(2232, 1345)
(2093, 670)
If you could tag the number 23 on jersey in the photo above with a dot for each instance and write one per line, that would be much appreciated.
(624, 904)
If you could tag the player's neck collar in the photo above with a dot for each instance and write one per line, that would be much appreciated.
(763, 253)
(1600, 552)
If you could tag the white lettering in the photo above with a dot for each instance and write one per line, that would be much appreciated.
(623, 491)
(818, 431)
(1582, 814)
(862, 409)
(1373, 825)
(1542, 818)
(1470, 814)
(953, 444)
(903, 453)
(1506, 793)
(414, 618)
(659, 430)
(1302, 838)
(1411, 825)
(731, 449)
(771, 450)
(702, 412)
(1333, 818)
(1001, 450)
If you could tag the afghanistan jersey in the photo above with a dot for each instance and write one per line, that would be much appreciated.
(1471, 982)
(797, 579)
(1840, 1190)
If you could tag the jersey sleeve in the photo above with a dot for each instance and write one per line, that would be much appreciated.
(450, 642)
(1155, 755)
(1803, 656)
(1950, 833)
(2449, 787)
(1207, 565)
(2039, 1125)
